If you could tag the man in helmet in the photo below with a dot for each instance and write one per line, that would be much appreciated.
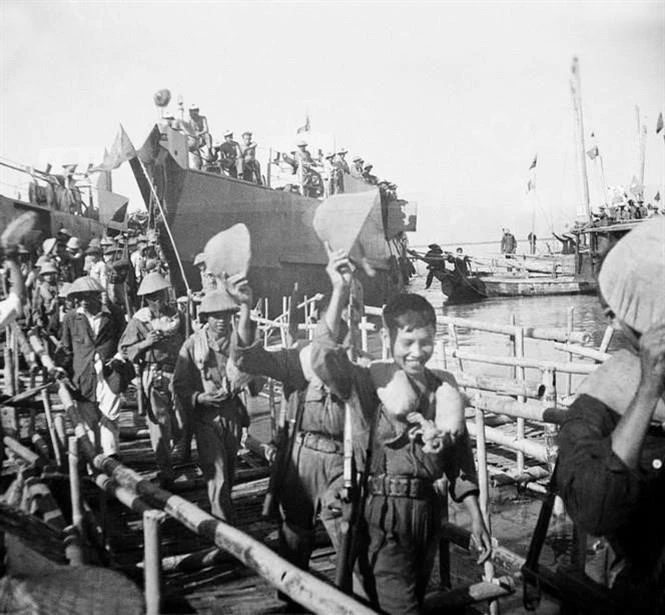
(73, 266)
(44, 311)
(90, 335)
(152, 340)
(357, 168)
(199, 126)
(208, 386)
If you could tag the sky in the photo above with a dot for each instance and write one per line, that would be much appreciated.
(450, 100)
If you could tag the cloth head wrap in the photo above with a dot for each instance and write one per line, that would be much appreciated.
(632, 278)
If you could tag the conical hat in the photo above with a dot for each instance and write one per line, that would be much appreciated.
(85, 284)
(229, 252)
(152, 283)
(217, 301)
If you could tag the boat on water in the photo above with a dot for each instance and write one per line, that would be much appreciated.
(285, 247)
(67, 199)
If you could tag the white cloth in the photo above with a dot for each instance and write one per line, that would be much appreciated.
(98, 271)
(10, 308)
(95, 320)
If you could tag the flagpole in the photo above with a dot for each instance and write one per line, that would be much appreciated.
(166, 224)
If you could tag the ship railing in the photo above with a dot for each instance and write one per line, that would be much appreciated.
(72, 193)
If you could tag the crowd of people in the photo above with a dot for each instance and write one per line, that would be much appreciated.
(407, 420)
(316, 176)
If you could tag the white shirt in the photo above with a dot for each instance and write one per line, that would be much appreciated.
(10, 308)
(95, 320)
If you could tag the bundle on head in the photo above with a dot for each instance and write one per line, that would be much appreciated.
(18, 231)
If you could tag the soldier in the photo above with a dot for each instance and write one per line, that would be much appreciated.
(418, 435)
(90, 337)
(199, 127)
(251, 170)
(312, 475)
(357, 168)
(368, 176)
(340, 160)
(74, 263)
(45, 313)
(152, 340)
(208, 386)
(229, 153)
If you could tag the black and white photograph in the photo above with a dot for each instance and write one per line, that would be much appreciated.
(336, 307)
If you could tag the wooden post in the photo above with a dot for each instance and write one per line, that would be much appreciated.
(607, 338)
(9, 364)
(51, 427)
(570, 320)
(549, 401)
(16, 375)
(484, 497)
(363, 334)
(518, 347)
(442, 350)
(75, 485)
(152, 560)
(452, 334)
(444, 543)
(59, 424)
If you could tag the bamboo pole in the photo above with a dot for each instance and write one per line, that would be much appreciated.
(305, 589)
(9, 365)
(46, 402)
(582, 351)
(529, 409)
(484, 498)
(529, 389)
(518, 345)
(572, 368)
(75, 485)
(363, 333)
(607, 338)
(152, 520)
(570, 321)
(126, 496)
(538, 333)
(452, 335)
(535, 450)
(31, 458)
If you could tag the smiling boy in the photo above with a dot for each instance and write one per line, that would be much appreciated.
(419, 436)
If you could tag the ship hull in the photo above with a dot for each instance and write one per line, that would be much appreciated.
(285, 247)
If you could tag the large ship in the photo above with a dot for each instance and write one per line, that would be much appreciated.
(286, 250)
(64, 199)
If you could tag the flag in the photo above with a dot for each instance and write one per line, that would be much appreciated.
(593, 152)
(305, 127)
(659, 123)
(531, 185)
(534, 163)
(657, 197)
(122, 150)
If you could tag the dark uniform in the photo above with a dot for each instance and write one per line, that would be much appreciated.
(314, 473)
(402, 512)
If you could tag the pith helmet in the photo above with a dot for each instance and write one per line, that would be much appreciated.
(228, 133)
(48, 268)
(199, 259)
(42, 260)
(64, 231)
(152, 283)
(85, 284)
(106, 241)
(93, 249)
(74, 243)
(301, 143)
(217, 301)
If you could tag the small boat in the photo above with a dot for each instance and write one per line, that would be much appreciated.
(457, 285)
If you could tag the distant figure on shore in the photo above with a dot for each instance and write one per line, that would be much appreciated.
(508, 242)
(612, 444)
(434, 252)
(531, 237)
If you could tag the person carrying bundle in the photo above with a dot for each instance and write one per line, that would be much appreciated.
(611, 466)
(152, 339)
(417, 436)
(208, 387)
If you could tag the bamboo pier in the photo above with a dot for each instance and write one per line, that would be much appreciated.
(185, 560)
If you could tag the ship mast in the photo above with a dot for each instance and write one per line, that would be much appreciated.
(576, 92)
(642, 146)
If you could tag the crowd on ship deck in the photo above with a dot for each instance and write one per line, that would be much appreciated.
(316, 175)
(106, 311)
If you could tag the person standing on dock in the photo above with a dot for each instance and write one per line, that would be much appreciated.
(418, 436)
(434, 252)
(152, 340)
(508, 242)
(611, 467)
(310, 477)
(208, 387)
(90, 337)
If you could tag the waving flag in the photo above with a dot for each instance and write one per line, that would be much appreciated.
(659, 123)
(534, 163)
(305, 127)
(593, 152)
(121, 151)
